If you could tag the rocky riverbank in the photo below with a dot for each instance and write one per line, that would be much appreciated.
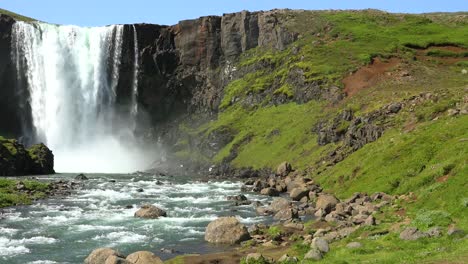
(14, 192)
(307, 223)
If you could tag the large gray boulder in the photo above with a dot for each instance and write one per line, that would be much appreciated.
(283, 169)
(226, 230)
(326, 202)
(298, 193)
(150, 212)
(144, 257)
(100, 256)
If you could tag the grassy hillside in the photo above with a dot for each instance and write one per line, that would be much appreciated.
(377, 58)
(16, 16)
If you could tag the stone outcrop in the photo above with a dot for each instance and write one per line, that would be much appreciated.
(226, 230)
(143, 257)
(110, 256)
(101, 255)
(16, 160)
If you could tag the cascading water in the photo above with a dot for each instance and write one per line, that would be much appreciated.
(134, 110)
(72, 74)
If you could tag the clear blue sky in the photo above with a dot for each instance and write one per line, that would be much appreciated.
(169, 12)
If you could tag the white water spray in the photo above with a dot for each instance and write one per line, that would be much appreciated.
(135, 75)
(72, 75)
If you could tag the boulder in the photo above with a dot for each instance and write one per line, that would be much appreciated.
(150, 212)
(100, 256)
(286, 214)
(354, 245)
(284, 169)
(298, 193)
(411, 233)
(226, 230)
(117, 260)
(434, 232)
(256, 258)
(239, 197)
(320, 244)
(327, 202)
(454, 231)
(81, 177)
(287, 259)
(279, 204)
(313, 254)
(144, 257)
(269, 192)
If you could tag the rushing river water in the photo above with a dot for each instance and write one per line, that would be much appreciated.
(66, 230)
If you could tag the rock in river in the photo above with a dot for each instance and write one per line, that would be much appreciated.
(226, 230)
(150, 211)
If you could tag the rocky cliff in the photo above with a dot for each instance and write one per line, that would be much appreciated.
(16, 160)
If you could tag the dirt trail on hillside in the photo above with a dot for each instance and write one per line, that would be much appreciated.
(369, 75)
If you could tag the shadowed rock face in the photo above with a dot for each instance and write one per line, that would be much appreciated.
(184, 67)
(10, 124)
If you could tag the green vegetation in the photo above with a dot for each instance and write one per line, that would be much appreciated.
(16, 16)
(10, 196)
(423, 151)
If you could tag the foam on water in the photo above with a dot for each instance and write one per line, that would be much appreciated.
(99, 216)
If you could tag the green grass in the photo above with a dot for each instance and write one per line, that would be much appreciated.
(16, 16)
(402, 162)
(276, 133)
(391, 249)
(9, 196)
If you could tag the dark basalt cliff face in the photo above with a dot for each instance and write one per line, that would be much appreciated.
(184, 68)
(10, 98)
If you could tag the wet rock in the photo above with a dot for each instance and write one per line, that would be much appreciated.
(100, 256)
(263, 211)
(150, 212)
(269, 192)
(240, 203)
(226, 230)
(169, 250)
(81, 177)
(239, 197)
(159, 183)
(411, 233)
(283, 169)
(320, 244)
(327, 202)
(313, 254)
(144, 257)
(354, 245)
(299, 193)
(140, 190)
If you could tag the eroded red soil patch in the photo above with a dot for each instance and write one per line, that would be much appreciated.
(369, 75)
(442, 179)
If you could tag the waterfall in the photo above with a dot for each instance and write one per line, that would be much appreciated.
(72, 74)
(134, 109)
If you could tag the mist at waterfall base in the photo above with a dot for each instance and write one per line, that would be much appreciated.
(71, 75)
